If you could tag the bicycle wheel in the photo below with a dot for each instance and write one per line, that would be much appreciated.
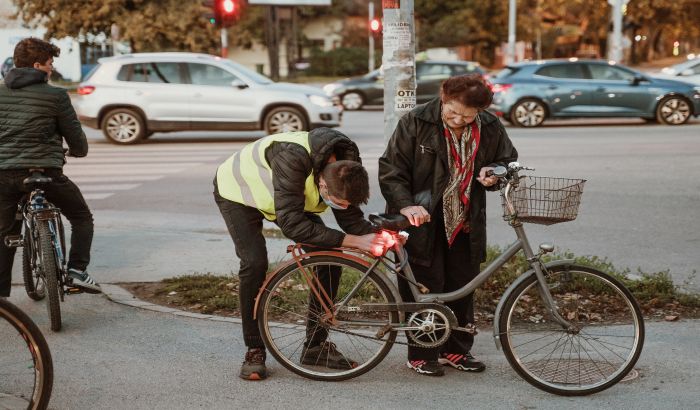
(601, 348)
(47, 258)
(286, 320)
(26, 369)
(33, 281)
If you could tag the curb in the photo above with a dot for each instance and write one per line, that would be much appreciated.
(117, 294)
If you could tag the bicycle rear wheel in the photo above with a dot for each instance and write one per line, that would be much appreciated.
(26, 369)
(601, 348)
(49, 270)
(33, 281)
(287, 322)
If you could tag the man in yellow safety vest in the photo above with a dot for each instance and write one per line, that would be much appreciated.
(290, 178)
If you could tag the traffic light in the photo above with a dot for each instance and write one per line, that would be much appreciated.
(375, 27)
(222, 13)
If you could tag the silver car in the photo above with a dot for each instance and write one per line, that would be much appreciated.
(132, 96)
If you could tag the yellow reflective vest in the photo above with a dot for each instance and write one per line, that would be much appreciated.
(246, 177)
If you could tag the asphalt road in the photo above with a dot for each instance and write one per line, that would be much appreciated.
(155, 218)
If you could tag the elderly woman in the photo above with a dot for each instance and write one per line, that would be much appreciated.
(434, 172)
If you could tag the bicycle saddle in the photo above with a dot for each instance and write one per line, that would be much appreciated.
(391, 222)
(37, 178)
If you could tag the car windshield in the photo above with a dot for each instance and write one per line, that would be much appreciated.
(373, 74)
(247, 72)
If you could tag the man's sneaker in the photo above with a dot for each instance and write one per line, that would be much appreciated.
(463, 362)
(81, 280)
(253, 367)
(426, 367)
(327, 355)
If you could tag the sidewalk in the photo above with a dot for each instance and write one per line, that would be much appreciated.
(114, 356)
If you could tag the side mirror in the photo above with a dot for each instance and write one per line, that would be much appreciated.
(638, 79)
(687, 72)
(239, 84)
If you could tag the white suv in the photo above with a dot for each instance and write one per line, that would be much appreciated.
(132, 96)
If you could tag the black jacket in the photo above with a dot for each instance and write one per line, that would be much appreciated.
(414, 171)
(35, 117)
(291, 164)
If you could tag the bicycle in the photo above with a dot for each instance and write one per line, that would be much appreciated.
(565, 328)
(43, 248)
(25, 360)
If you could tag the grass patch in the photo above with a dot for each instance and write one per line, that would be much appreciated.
(656, 293)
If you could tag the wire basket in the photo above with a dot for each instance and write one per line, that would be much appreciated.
(545, 200)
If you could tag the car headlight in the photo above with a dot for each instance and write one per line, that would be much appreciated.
(320, 101)
(329, 88)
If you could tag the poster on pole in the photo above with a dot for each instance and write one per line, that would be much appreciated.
(289, 2)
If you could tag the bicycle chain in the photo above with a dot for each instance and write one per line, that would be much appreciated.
(375, 338)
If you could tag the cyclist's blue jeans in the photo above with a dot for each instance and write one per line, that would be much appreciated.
(63, 193)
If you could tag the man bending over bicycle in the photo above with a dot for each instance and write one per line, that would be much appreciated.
(36, 117)
(290, 178)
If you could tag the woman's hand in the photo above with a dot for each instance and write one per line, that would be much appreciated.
(487, 181)
(416, 214)
(366, 242)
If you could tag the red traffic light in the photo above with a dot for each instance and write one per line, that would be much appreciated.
(228, 6)
(375, 25)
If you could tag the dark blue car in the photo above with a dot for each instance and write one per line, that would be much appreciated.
(527, 93)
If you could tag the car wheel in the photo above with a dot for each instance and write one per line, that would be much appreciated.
(528, 113)
(673, 111)
(284, 119)
(123, 126)
(352, 101)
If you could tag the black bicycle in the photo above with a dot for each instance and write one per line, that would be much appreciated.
(26, 368)
(43, 242)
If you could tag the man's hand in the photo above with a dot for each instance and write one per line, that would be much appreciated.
(487, 181)
(417, 215)
(366, 242)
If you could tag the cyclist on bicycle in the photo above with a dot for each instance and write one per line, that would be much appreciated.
(290, 178)
(36, 117)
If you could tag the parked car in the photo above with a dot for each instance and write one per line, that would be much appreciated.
(132, 96)
(6, 66)
(527, 93)
(356, 92)
(687, 71)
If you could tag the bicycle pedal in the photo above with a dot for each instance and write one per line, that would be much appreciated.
(73, 290)
(14, 241)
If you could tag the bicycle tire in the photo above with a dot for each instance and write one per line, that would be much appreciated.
(50, 272)
(38, 349)
(267, 323)
(573, 288)
(33, 282)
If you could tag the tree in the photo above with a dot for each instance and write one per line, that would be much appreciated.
(149, 25)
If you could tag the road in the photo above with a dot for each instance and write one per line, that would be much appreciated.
(155, 218)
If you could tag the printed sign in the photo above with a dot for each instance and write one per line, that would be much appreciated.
(405, 100)
(390, 4)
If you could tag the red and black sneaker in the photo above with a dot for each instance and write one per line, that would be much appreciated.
(426, 367)
(253, 367)
(464, 362)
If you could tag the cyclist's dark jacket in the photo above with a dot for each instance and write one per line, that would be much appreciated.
(413, 171)
(34, 119)
(291, 164)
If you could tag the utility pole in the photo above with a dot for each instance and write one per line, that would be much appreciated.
(510, 55)
(370, 64)
(615, 51)
(398, 62)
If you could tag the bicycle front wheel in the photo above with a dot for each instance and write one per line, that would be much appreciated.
(597, 351)
(314, 343)
(26, 369)
(49, 270)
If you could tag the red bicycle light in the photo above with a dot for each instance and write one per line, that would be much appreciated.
(378, 250)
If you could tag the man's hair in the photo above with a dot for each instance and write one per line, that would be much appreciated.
(347, 180)
(33, 50)
(469, 90)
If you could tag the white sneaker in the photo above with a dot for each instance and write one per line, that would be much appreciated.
(82, 280)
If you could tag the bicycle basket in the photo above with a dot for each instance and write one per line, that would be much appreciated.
(545, 200)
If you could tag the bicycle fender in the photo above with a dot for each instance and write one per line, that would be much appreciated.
(390, 284)
(511, 288)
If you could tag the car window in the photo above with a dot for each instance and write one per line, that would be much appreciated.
(462, 69)
(506, 72)
(609, 73)
(151, 73)
(695, 68)
(573, 71)
(206, 74)
(433, 71)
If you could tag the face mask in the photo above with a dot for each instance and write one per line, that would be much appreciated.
(330, 203)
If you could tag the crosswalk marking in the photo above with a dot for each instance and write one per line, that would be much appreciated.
(115, 178)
